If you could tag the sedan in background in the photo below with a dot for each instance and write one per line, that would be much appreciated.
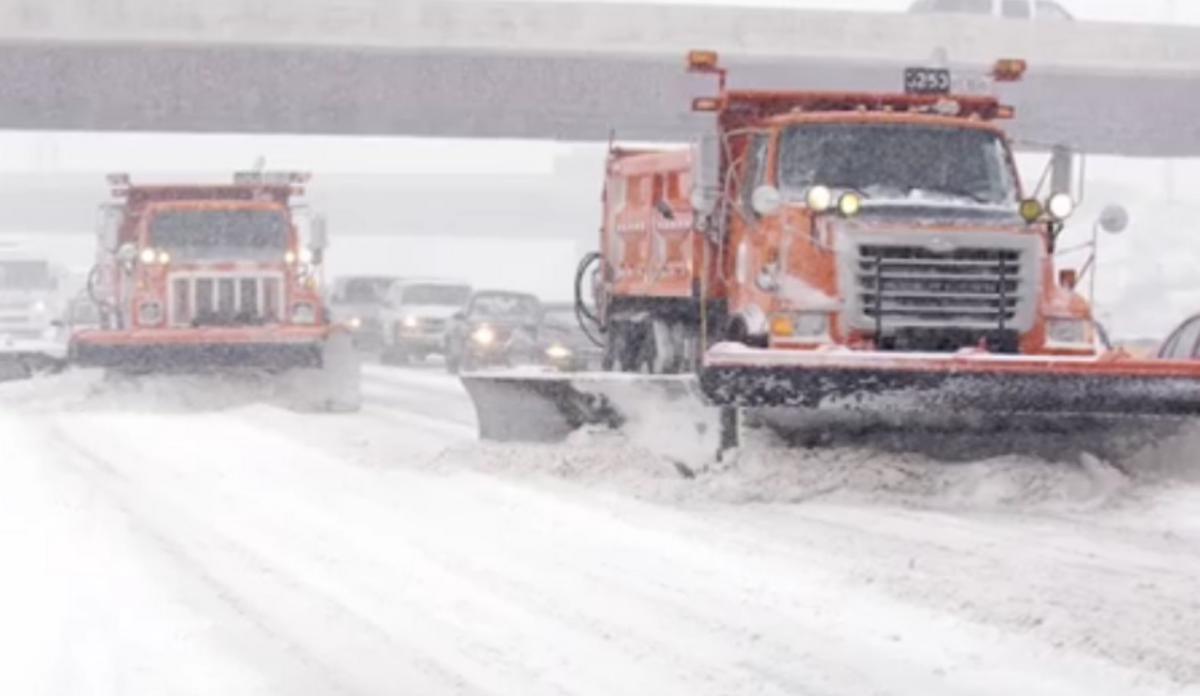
(563, 343)
(497, 328)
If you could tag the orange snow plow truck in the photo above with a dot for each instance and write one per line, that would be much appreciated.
(217, 279)
(827, 255)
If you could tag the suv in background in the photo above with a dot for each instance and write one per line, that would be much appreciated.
(416, 315)
(359, 301)
(1009, 9)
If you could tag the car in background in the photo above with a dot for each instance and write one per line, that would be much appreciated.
(496, 328)
(1009, 9)
(358, 301)
(563, 344)
(416, 316)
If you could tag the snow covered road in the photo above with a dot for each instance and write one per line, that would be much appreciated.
(155, 543)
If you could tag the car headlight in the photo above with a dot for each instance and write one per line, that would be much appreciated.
(410, 322)
(148, 256)
(37, 307)
(558, 352)
(1069, 331)
(801, 325)
(354, 323)
(150, 313)
(484, 336)
(304, 313)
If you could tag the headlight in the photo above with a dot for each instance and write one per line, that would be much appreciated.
(164, 258)
(354, 323)
(558, 352)
(150, 314)
(304, 313)
(484, 336)
(1061, 206)
(290, 258)
(1069, 331)
(850, 204)
(800, 325)
(819, 198)
(306, 255)
(148, 256)
(38, 307)
(410, 322)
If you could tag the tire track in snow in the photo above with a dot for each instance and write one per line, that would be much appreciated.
(178, 535)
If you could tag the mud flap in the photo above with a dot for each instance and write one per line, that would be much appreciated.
(335, 386)
(524, 406)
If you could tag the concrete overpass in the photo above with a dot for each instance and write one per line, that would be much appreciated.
(543, 70)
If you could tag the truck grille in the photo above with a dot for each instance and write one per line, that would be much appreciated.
(225, 300)
(970, 287)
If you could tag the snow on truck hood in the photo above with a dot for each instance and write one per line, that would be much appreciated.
(941, 211)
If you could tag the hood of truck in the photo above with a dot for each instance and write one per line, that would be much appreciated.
(939, 213)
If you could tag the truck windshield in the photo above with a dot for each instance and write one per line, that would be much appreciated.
(437, 295)
(359, 290)
(24, 275)
(898, 161)
(225, 235)
(505, 306)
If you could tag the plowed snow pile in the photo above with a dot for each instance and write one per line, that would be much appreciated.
(779, 475)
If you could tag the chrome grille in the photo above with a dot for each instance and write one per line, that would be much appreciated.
(225, 299)
(978, 287)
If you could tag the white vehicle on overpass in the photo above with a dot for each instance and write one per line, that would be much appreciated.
(32, 302)
(1009, 9)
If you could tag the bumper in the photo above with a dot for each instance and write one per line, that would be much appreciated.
(197, 349)
(967, 382)
(423, 343)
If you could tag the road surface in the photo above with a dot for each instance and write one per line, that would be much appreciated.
(173, 538)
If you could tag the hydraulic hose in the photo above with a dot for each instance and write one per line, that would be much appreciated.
(589, 320)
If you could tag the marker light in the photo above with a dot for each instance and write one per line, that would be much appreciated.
(1009, 70)
(702, 61)
(819, 198)
(164, 257)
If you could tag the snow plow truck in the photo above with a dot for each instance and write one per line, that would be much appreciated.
(218, 279)
(868, 259)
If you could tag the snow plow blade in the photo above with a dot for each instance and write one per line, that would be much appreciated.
(311, 368)
(535, 406)
(970, 403)
(961, 383)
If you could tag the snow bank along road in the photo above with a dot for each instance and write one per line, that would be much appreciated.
(160, 538)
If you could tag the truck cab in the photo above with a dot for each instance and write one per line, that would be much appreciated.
(195, 276)
(901, 231)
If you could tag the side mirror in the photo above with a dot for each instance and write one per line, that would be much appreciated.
(108, 227)
(318, 236)
(766, 200)
(1114, 219)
